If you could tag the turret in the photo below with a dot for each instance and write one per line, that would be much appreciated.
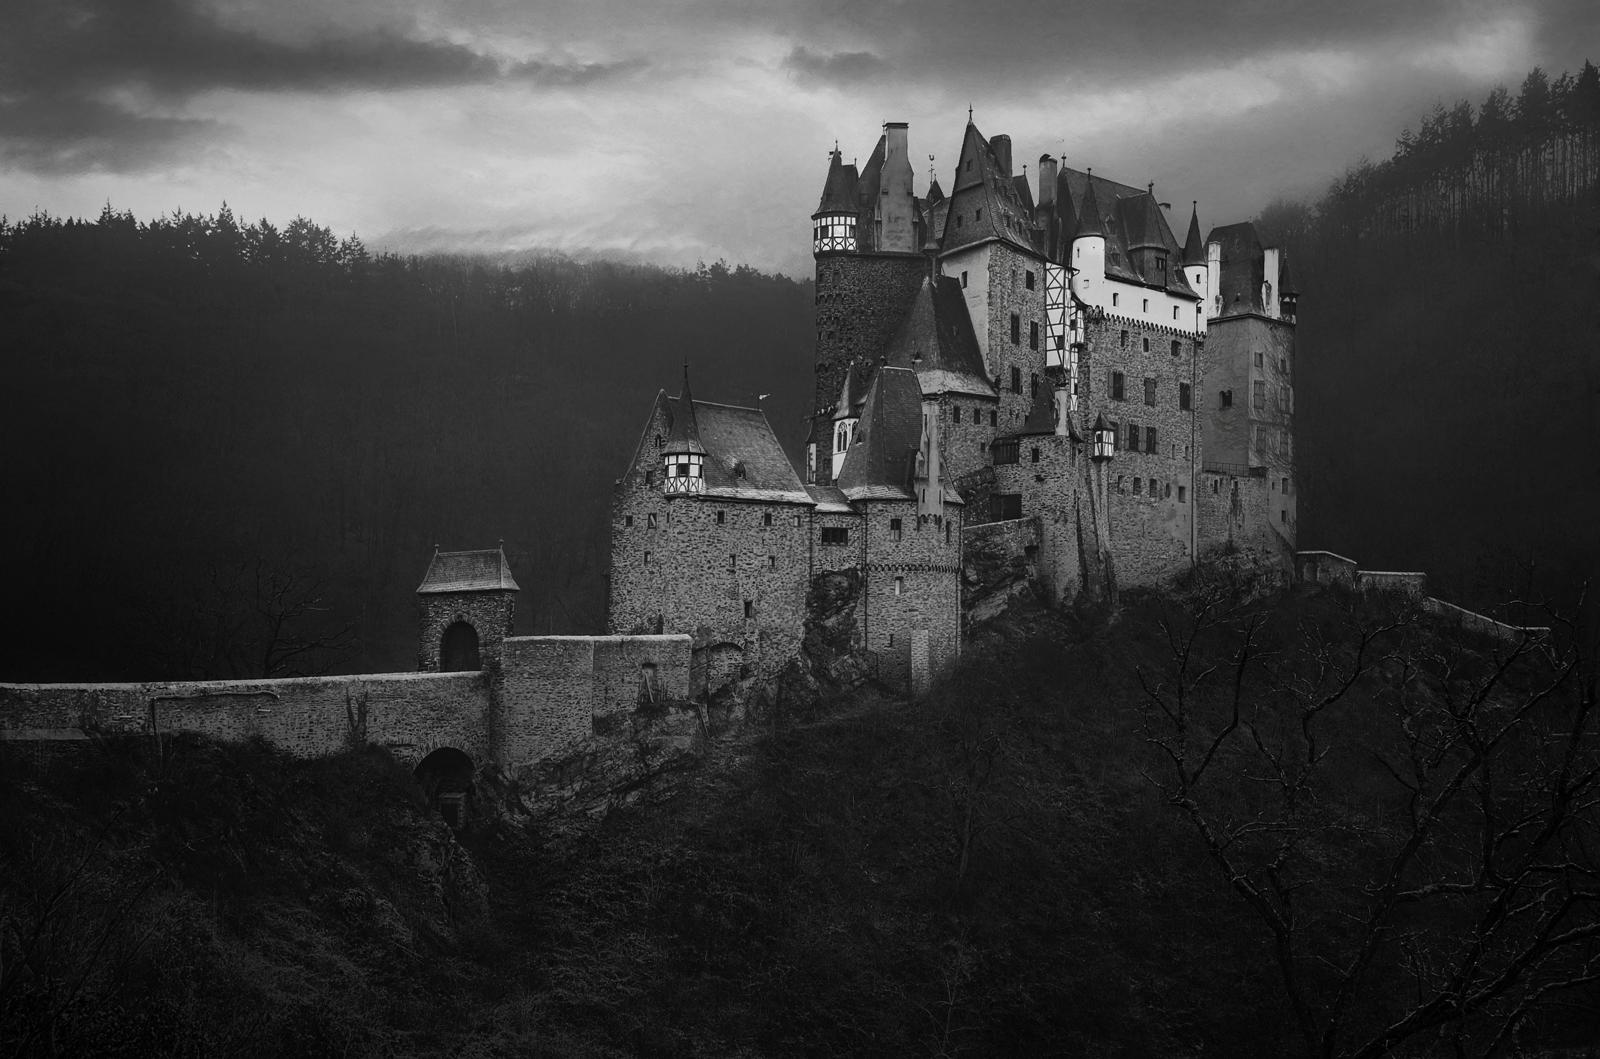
(1089, 247)
(468, 603)
(1194, 258)
(1288, 296)
(896, 207)
(847, 417)
(683, 457)
(833, 226)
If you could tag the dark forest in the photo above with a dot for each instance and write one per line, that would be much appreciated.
(231, 448)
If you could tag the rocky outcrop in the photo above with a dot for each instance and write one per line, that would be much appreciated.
(998, 565)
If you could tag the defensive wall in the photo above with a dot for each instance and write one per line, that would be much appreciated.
(1330, 568)
(536, 697)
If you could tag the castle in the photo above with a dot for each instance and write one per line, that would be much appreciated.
(1039, 367)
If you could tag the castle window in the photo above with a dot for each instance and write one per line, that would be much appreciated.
(1226, 398)
(1260, 395)
(650, 520)
(1174, 316)
(1115, 298)
(978, 216)
(1150, 439)
(1166, 491)
(647, 558)
(749, 608)
(1283, 516)
(994, 418)
(1183, 495)
(1161, 264)
(1116, 386)
(772, 562)
(1120, 480)
(1258, 360)
(1133, 437)
(1004, 451)
(1005, 506)
(797, 520)
(766, 519)
(1033, 334)
(955, 413)
(733, 560)
(1027, 279)
(891, 635)
(958, 220)
(1177, 347)
(1136, 483)
(963, 274)
(1033, 385)
(899, 586)
(659, 441)
(1145, 307)
(627, 520)
(1184, 400)
(1216, 485)
(722, 517)
(1016, 329)
(649, 477)
(1016, 373)
(1150, 392)
(895, 530)
(1035, 454)
(947, 533)
(1146, 342)
(1286, 487)
(836, 535)
(1122, 339)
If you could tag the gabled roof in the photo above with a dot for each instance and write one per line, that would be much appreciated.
(851, 395)
(478, 571)
(1194, 248)
(839, 190)
(880, 465)
(985, 200)
(936, 340)
(1129, 219)
(1042, 416)
(741, 440)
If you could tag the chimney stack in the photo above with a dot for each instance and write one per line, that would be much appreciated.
(1000, 144)
(896, 206)
(1047, 180)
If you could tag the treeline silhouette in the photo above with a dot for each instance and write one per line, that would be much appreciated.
(1448, 328)
(193, 406)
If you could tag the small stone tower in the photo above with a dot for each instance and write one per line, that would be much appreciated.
(468, 602)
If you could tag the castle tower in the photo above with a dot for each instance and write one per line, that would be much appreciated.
(683, 458)
(468, 602)
(1194, 260)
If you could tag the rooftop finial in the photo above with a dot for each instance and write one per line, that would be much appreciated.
(969, 113)
(1150, 188)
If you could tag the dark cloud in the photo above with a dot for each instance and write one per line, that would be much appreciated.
(839, 68)
(61, 60)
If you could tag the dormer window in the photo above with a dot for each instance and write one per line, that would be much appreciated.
(685, 473)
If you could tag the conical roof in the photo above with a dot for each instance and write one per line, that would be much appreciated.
(935, 192)
(685, 436)
(1089, 219)
(1194, 248)
(1286, 287)
(839, 191)
(880, 464)
(851, 396)
(1042, 416)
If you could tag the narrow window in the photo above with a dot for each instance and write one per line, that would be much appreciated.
(733, 560)
(1260, 395)
(649, 477)
(772, 562)
(1033, 385)
(659, 441)
(1146, 342)
(1120, 480)
(1286, 487)
(749, 609)
(1150, 392)
(797, 521)
(650, 521)
(1183, 495)
(895, 531)
(1028, 279)
(955, 414)
(1115, 298)
(1016, 373)
(1174, 316)
(994, 418)
(1122, 339)
(647, 558)
(721, 517)
(1166, 491)
(947, 533)
(969, 165)
(978, 216)
(1226, 398)
(891, 635)
(1136, 483)
(1216, 485)
(1258, 360)
(1144, 308)
(1116, 438)
(1133, 437)
(958, 224)
(628, 520)
(1183, 397)
(1016, 329)
(963, 274)
(899, 586)
(1033, 333)
(1036, 454)
(766, 519)
(1116, 386)
(1150, 439)
(1283, 516)
(1177, 347)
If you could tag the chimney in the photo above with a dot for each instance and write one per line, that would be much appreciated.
(896, 207)
(1001, 146)
(1047, 180)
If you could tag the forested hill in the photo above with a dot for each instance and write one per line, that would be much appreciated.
(202, 420)
(1449, 345)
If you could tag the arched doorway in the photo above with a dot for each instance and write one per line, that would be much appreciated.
(446, 779)
(459, 651)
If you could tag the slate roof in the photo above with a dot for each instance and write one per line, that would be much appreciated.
(1042, 416)
(830, 500)
(741, 438)
(478, 571)
(1243, 262)
(851, 396)
(1285, 280)
(1194, 248)
(987, 190)
(839, 190)
(1128, 218)
(936, 340)
(685, 433)
(879, 466)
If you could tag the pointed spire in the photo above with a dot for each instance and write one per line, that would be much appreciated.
(839, 190)
(1194, 248)
(685, 436)
(851, 395)
(1089, 219)
(1286, 287)
(1042, 416)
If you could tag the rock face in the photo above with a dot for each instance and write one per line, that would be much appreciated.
(998, 564)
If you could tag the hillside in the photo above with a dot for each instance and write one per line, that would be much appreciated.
(992, 872)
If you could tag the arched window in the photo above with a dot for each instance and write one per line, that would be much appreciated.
(458, 652)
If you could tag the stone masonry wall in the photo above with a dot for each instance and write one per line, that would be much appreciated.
(1236, 516)
(635, 590)
(491, 615)
(964, 442)
(1009, 294)
(926, 562)
(1054, 489)
(861, 299)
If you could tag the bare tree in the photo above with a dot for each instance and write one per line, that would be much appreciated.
(1412, 815)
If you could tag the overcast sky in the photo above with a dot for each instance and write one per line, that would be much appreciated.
(699, 129)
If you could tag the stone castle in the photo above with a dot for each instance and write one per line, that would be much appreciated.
(1033, 377)
(1039, 368)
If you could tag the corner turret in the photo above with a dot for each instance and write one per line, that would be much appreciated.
(833, 226)
(683, 457)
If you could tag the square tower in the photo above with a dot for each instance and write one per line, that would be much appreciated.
(468, 602)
